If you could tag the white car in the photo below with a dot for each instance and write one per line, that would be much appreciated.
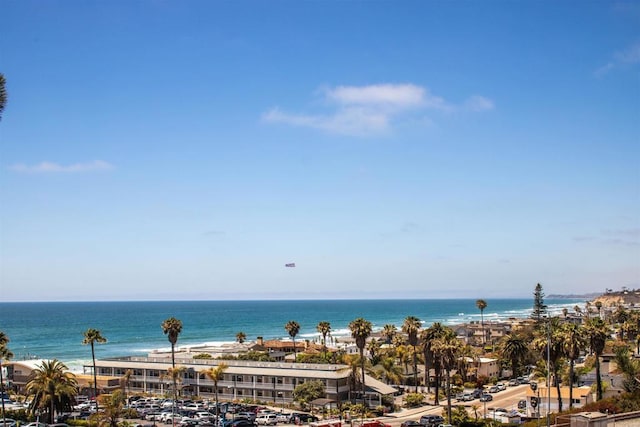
(267, 419)
(283, 417)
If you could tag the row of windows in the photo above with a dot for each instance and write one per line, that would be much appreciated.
(190, 374)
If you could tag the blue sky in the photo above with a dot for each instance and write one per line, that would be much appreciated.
(189, 150)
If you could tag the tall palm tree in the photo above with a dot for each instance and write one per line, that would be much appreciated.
(361, 330)
(403, 353)
(411, 327)
(597, 334)
(324, 328)
(446, 349)
(92, 336)
(428, 336)
(482, 304)
(172, 327)
(388, 332)
(175, 375)
(216, 374)
(292, 327)
(599, 308)
(514, 348)
(5, 354)
(51, 388)
(548, 342)
(241, 337)
(126, 381)
(573, 342)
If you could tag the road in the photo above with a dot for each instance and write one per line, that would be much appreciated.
(507, 399)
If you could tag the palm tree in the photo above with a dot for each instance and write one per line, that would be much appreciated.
(411, 327)
(373, 347)
(388, 332)
(549, 343)
(482, 304)
(113, 408)
(92, 336)
(293, 328)
(360, 331)
(5, 354)
(428, 336)
(599, 308)
(324, 328)
(630, 368)
(391, 372)
(597, 334)
(172, 327)
(446, 349)
(175, 375)
(216, 374)
(126, 380)
(573, 342)
(241, 337)
(515, 349)
(51, 387)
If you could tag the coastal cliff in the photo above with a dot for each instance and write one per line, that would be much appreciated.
(612, 299)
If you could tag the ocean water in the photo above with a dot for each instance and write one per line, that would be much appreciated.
(55, 329)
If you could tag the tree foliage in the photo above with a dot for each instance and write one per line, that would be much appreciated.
(52, 388)
(539, 307)
(308, 391)
(92, 336)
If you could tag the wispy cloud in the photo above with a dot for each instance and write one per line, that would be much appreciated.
(619, 237)
(620, 59)
(371, 110)
(51, 167)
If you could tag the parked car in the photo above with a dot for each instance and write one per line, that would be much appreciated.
(251, 416)
(431, 420)
(410, 424)
(238, 423)
(283, 417)
(374, 423)
(501, 386)
(477, 393)
(302, 417)
(513, 382)
(486, 397)
(494, 389)
(267, 419)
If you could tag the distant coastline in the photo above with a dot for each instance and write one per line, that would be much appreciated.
(586, 296)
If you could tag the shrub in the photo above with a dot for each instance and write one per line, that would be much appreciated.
(413, 400)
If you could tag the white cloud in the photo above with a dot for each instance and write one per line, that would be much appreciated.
(630, 55)
(51, 167)
(626, 57)
(478, 103)
(398, 96)
(371, 110)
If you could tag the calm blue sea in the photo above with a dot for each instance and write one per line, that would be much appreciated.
(55, 329)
